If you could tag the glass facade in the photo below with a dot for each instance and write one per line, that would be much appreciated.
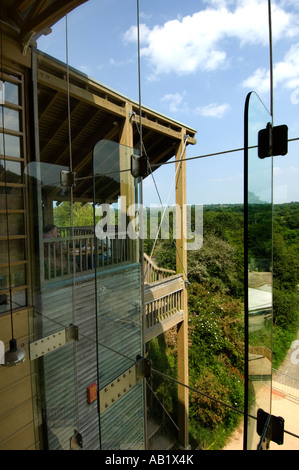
(91, 296)
(258, 213)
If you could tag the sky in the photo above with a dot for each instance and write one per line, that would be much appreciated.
(199, 59)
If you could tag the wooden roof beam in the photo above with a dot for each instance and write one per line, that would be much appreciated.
(37, 8)
(59, 84)
(48, 16)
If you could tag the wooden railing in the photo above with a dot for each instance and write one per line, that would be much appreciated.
(81, 253)
(163, 305)
(153, 273)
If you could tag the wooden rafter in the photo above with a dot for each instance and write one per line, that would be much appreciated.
(45, 17)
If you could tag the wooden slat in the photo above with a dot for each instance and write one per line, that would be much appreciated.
(16, 399)
(163, 288)
(61, 85)
(25, 437)
(163, 326)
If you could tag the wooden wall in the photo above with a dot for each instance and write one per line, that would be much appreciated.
(16, 398)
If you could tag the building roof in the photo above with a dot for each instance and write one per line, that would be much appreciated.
(32, 18)
(94, 113)
(70, 102)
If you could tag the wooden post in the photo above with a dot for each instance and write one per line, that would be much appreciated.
(181, 265)
(126, 179)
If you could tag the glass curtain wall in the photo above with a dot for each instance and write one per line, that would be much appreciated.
(258, 269)
(87, 280)
(88, 269)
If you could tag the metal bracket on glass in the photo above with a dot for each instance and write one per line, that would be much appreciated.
(116, 389)
(139, 166)
(52, 342)
(273, 141)
(270, 428)
(67, 179)
(76, 441)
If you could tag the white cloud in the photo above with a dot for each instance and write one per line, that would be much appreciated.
(213, 110)
(198, 41)
(285, 72)
(174, 100)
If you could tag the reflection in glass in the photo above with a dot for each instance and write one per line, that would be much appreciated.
(258, 268)
(9, 119)
(10, 171)
(11, 93)
(118, 291)
(54, 309)
(15, 223)
(15, 201)
(10, 145)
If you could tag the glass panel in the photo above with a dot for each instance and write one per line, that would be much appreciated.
(10, 145)
(11, 93)
(10, 171)
(9, 119)
(258, 268)
(10, 300)
(15, 199)
(15, 224)
(118, 290)
(54, 308)
(16, 250)
(215, 304)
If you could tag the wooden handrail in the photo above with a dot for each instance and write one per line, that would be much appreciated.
(65, 254)
(153, 272)
(163, 305)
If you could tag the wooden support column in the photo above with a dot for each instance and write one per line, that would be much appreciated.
(181, 266)
(126, 178)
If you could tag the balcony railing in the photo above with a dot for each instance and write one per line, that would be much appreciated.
(163, 305)
(153, 273)
(81, 252)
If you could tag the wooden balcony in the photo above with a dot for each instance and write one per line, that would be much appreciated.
(162, 299)
(80, 252)
(163, 288)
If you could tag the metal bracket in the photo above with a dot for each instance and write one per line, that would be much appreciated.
(116, 389)
(270, 428)
(52, 342)
(76, 440)
(67, 179)
(139, 167)
(273, 141)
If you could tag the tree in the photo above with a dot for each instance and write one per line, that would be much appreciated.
(82, 214)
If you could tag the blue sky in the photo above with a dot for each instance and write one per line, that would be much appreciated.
(199, 60)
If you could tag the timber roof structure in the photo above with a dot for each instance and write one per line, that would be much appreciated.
(70, 102)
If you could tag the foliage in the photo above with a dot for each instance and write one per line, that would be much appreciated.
(215, 263)
(81, 216)
(215, 296)
(216, 357)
